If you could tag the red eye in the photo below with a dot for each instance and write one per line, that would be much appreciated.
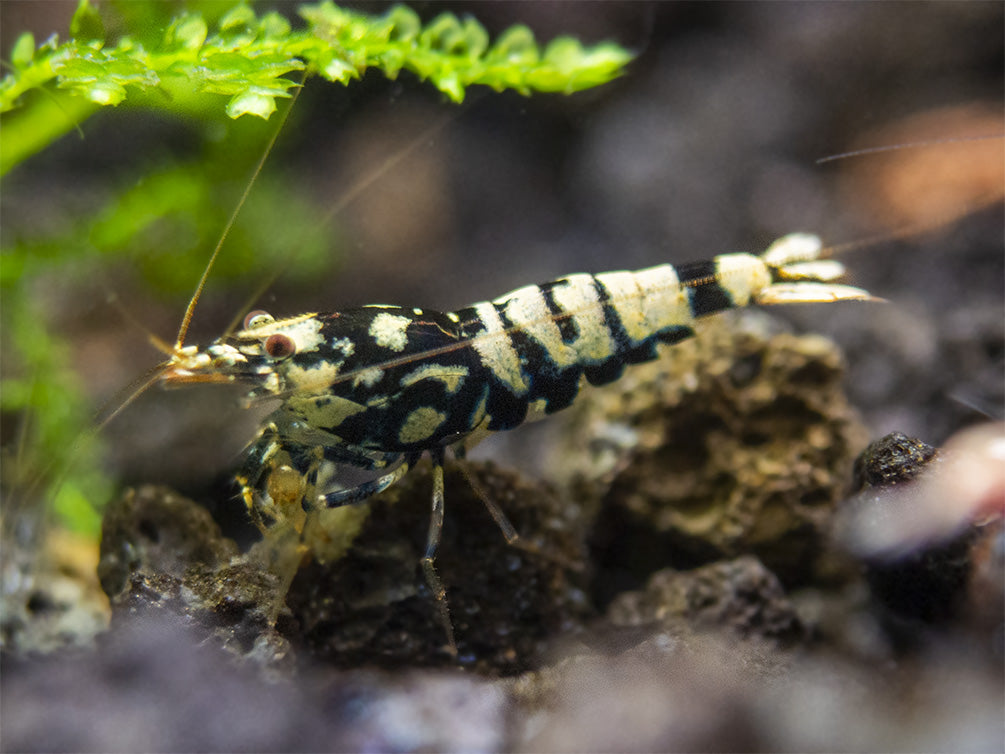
(257, 318)
(280, 346)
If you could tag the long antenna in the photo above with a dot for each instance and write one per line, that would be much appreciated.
(908, 145)
(190, 310)
(350, 196)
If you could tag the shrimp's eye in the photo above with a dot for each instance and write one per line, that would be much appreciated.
(280, 346)
(257, 318)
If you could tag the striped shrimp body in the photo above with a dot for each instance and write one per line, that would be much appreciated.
(374, 388)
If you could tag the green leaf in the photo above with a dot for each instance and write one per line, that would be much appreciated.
(100, 77)
(105, 93)
(336, 68)
(187, 32)
(247, 58)
(274, 25)
(404, 23)
(48, 400)
(86, 24)
(23, 51)
(239, 17)
(251, 102)
(75, 507)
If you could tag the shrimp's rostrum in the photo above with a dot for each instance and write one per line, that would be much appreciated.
(374, 388)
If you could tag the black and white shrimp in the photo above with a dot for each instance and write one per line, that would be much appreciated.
(374, 388)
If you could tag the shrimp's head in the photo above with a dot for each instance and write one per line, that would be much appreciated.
(269, 355)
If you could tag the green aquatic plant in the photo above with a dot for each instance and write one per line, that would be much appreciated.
(209, 69)
(249, 58)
